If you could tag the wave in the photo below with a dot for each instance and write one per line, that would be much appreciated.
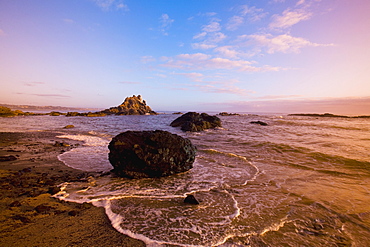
(92, 156)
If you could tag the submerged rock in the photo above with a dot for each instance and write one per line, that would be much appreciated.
(259, 122)
(139, 154)
(193, 121)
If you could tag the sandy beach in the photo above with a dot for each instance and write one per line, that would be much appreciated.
(30, 173)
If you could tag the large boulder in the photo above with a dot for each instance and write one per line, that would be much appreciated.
(141, 154)
(193, 121)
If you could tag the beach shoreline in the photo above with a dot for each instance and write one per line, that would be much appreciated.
(30, 173)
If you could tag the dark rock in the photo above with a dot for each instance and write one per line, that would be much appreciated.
(190, 199)
(42, 208)
(228, 114)
(259, 122)
(23, 219)
(73, 213)
(139, 154)
(15, 204)
(26, 170)
(193, 121)
(61, 144)
(69, 126)
(53, 190)
(7, 158)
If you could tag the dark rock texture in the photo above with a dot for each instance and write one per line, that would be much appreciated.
(140, 154)
(193, 121)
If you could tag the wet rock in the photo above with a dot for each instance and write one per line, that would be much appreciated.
(7, 158)
(228, 114)
(15, 204)
(193, 121)
(190, 199)
(259, 122)
(42, 208)
(69, 126)
(22, 218)
(53, 190)
(139, 154)
(73, 213)
(61, 144)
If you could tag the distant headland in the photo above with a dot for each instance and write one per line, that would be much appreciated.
(134, 105)
(326, 115)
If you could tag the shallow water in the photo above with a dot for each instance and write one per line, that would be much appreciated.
(300, 181)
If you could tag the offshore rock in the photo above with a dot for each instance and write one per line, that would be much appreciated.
(193, 121)
(134, 105)
(142, 154)
(259, 122)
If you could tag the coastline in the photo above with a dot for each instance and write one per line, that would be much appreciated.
(29, 216)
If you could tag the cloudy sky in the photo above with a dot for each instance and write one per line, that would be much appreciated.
(208, 55)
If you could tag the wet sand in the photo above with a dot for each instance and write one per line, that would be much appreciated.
(30, 173)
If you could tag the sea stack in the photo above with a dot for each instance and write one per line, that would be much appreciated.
(134, 105)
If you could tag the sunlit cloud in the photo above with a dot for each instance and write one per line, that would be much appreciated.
(284, 43)
(253, 13)
(110, 4)
(289, 18)
(129, 82)
(209, 40)
(227, 51)
(34, 83)
(165, 23)
(213, 26)
(194, 76)
(200, 61)
(46, 95)
(202, 46)
(147, 59)
(69, 21)
(223, 89)
(234, 22)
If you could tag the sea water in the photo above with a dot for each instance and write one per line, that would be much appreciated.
(300, 181)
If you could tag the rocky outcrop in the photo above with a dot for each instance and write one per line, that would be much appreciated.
(134, 105)
(193, 121)
(228, 114)
(140, 154)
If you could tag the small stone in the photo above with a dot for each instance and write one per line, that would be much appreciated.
(42, 208)
(69, 126)
(190, 199)
(7, 158)
(73, 213)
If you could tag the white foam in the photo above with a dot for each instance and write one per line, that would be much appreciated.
(92, 156)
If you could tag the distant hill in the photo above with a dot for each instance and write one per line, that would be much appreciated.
(33, 108)
(325, 115)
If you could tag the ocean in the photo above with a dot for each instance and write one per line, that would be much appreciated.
(300, 181)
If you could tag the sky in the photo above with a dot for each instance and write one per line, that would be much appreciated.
(285, 56)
